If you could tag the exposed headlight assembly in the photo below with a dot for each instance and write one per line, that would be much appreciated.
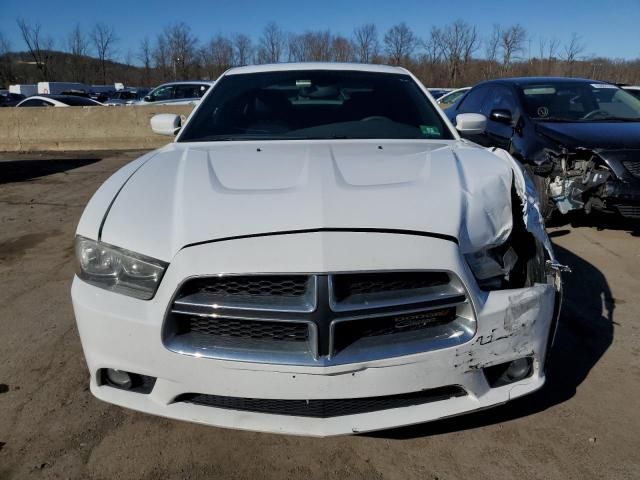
(492, 266)
(118, 270)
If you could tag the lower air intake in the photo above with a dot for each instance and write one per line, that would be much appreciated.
(323, 408)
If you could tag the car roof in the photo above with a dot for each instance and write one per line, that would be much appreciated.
(187, 82)
(283, 67)
(519, 81)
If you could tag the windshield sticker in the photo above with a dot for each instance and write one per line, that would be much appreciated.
(539, 91)
(303, 83)
(430, 131)
(603, 85)
(543, 112)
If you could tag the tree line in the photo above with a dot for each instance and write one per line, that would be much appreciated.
(452, 55)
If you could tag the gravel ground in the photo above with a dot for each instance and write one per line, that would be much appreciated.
(584, 424)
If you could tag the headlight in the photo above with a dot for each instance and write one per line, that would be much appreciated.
(492, 266)
(118, 270)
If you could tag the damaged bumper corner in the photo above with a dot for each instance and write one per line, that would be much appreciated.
(622, 197)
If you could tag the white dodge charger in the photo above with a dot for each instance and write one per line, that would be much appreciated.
(318, 252)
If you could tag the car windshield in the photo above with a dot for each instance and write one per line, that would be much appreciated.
(579, 102)
(315, 104)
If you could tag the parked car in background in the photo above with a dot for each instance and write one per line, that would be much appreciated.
(128, 96)
(579, 138)
(8, 99)
(317, 253)
(438, 92)
(448, 99)
(101, 96)
(58, 101)
(633, 90)
(176, 93)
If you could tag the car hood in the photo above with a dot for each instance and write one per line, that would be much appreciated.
(197, 192)
(593, 135)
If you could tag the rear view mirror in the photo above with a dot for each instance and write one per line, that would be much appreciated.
(501, 116)
(471, 123)
(166, 124)
(147, 98)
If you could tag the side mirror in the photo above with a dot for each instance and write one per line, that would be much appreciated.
(471, 123)
(147, 98)
(501, 116)
(166, 124)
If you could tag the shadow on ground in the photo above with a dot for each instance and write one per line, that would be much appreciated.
(597, 220)
(12, 171)
(585, 332)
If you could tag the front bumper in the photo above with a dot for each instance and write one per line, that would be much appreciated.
(125, 333)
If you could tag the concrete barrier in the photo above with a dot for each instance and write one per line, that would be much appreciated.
(38, 129)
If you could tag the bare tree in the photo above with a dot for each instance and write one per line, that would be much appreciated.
(243, 49)
(458, 41)
(554, 44)
(310, 46)
(217, 56)
(77, 42)
(491, 50)
(39, 46)
(6, 74)
(365, 40)
(272, 44)
(104, 39)
(181, 44)
(572, 52)
(341, 49)
(78, 47)
(512, 41)
(400, 42)
(144, 56)
(162, 57)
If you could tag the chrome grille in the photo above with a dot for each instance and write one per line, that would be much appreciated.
(633, 166)
(318, 319)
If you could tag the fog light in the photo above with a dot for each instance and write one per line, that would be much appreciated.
(118, 378)
(509, 372)
(518, 369)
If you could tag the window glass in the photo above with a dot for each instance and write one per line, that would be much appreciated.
(314, 104)
(35, 102)
(79, 102)
(472, 103)
(163, 93)
(579, 101)
(500, 98)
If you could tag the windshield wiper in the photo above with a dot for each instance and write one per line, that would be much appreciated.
(555, 119)
(613, 119)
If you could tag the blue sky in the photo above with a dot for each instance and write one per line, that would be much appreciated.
(608, 28)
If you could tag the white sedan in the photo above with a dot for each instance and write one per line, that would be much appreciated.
(58, 101)
(318, 253)
(448, 99)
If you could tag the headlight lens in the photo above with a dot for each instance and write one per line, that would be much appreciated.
(118, 270)
(492, 266)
